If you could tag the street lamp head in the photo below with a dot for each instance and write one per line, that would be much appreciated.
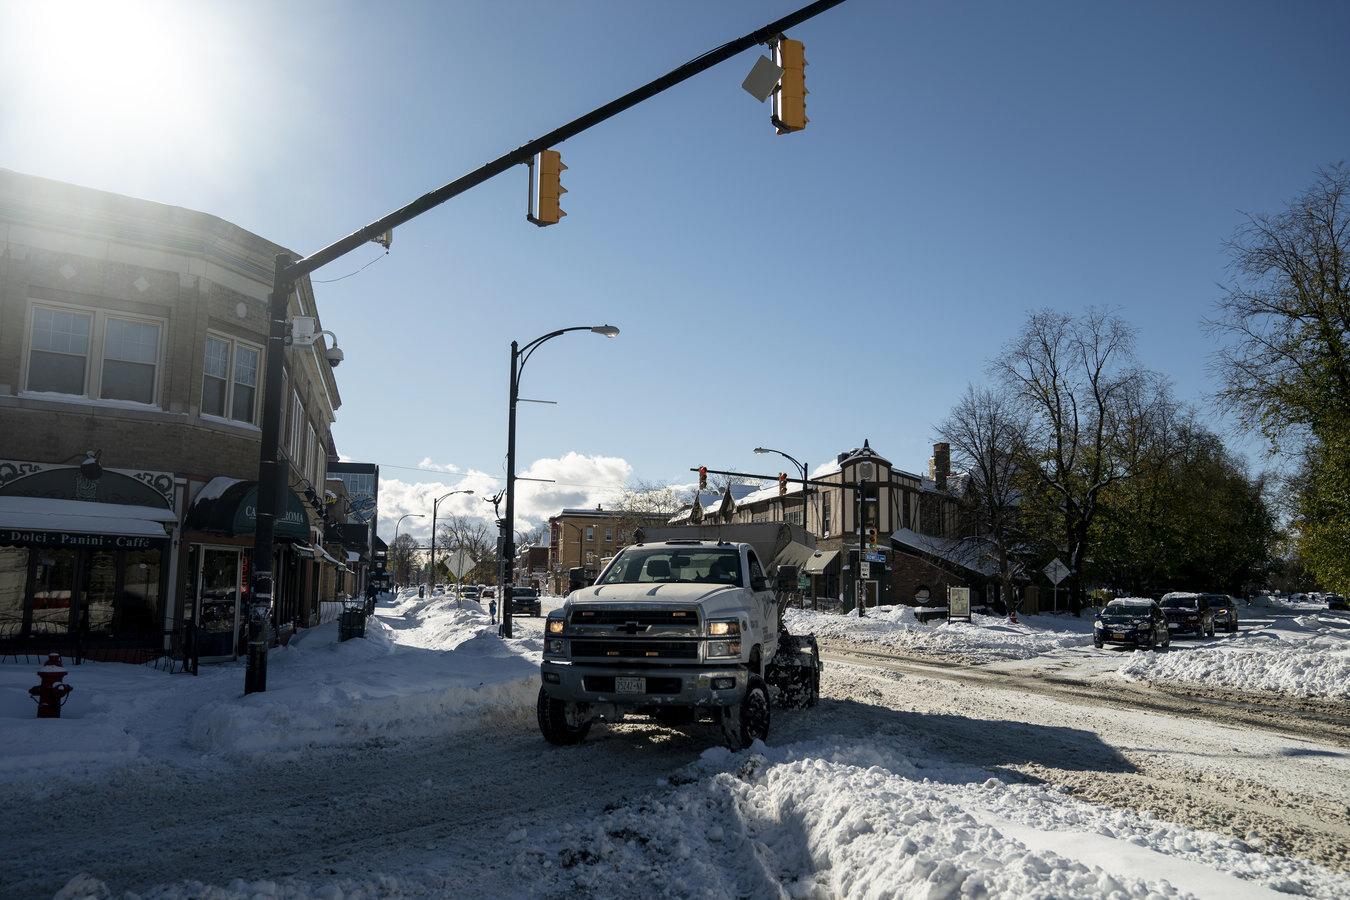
(762, 450)
(468, 492)
(608, 331)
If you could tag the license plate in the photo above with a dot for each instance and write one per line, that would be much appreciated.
(1118, 635)
(630, 685)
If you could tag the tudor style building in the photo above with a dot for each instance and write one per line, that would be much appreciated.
(131, 373)
(911, 527)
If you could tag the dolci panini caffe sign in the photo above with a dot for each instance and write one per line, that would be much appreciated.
(60, 539)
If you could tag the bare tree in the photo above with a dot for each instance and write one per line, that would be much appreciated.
(1085, 402)
(639, 504)
(475, 537)
(985, 433)
(402, 558)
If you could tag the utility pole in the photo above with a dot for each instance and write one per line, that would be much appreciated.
(288, 272)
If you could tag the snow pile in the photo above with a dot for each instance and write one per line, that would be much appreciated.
(984, 639)
(824, 820)
(436, 668)
(1308, 656)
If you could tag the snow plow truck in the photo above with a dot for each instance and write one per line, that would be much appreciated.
(684, 626)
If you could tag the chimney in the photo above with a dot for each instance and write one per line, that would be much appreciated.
(940, 466)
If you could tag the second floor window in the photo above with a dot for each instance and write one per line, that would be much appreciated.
(59, 359)
(609, 535)
(130, 359)
(825, 514)
(230, 380)
(90, 353)
(590, 533)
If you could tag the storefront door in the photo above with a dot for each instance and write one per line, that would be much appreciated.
(217, 597)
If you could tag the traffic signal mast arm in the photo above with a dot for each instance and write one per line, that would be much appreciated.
(522, 154)
(774, 477)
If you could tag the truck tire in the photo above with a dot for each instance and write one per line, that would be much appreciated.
(747, 722)
(552, 715)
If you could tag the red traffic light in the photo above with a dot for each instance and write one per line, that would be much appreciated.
(702, 478)
(782, 483)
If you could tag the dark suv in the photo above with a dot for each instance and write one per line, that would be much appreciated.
(1137, 621)
(1188, 613)
(525, 602)
(1225, 611)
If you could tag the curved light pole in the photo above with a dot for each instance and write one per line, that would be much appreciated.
(434, 504)
(400, 522)
(519, 357)
(801, 466)
(805, 493)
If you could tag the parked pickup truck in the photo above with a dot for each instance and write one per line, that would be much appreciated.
(680, 630)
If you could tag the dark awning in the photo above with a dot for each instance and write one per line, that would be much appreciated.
(229, 506)
(820, 561)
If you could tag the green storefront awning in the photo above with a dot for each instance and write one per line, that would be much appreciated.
(229, 506)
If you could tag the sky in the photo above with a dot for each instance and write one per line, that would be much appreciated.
(964, 164)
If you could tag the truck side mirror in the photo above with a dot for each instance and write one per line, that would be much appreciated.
(759, 583)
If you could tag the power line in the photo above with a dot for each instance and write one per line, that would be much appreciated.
(350, 274)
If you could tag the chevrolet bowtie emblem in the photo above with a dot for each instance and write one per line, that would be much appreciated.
(630, 627)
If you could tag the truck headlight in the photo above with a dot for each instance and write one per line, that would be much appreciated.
(724, 627)
(555, 626)
(555, 646)
(723, 649)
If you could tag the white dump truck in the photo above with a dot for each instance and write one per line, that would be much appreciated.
(685, 625)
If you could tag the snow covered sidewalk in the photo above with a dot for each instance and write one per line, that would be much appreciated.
(1304, 656)
(426, 668)
(983, 640)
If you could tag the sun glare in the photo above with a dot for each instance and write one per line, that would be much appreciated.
(129, 80)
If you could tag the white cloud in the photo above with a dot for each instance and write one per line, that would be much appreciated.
(428, 463)
(577, 481)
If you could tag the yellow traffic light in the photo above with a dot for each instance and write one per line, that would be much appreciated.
(789, 101)
(546, 188)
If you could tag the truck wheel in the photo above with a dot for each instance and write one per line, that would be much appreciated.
(552, 715)
(742, 725)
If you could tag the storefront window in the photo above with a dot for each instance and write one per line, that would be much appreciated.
(138, 609)
(100, 592)
(13, 579)
(53, 590)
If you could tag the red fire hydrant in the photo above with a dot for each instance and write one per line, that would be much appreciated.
(51, 695)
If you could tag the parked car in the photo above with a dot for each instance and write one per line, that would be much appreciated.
(1135, 621)
(1225, 611)
(469, 592)
(1336, 601)
(1188, 613)
(487, 593)
(525, 602)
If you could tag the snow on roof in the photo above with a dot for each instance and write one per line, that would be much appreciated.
(14, 508)
(768, 493)
(1133, 601)
(214, 488)
(969, 554)
(84, 517)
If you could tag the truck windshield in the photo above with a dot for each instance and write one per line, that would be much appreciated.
(686, 565)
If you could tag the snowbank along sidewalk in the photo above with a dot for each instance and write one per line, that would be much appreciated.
(830, 819)
(1304, 656)
(984, 639)
(425, 668)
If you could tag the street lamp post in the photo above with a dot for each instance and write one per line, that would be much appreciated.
(434, 504)
(400, 522)
(519, 356)
(805, 488)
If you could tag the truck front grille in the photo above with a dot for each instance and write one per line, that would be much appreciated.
(643, 618)
(637, 649)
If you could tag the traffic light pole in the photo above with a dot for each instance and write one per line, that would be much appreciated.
(288, 272)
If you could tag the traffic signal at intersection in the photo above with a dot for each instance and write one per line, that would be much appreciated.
(546, 188)
(789, 101)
